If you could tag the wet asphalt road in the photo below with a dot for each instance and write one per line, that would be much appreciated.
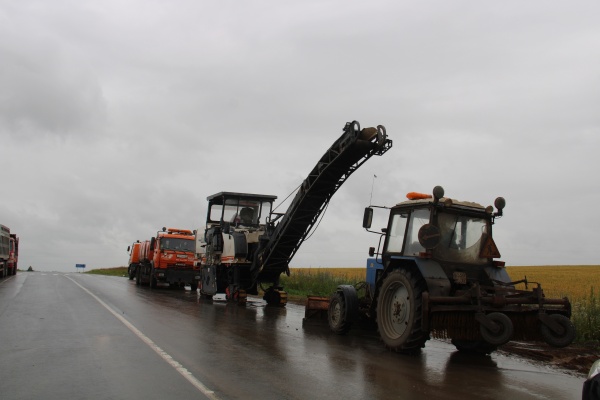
(81, 336)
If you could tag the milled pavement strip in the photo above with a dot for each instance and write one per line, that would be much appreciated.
(164, 355)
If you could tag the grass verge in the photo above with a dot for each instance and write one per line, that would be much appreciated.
(586, 318)
(118, 271)
(307, 282)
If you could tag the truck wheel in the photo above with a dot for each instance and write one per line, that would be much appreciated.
(138, 278)
(336, 314)
(194, 286)
(153, 282)
(504, 333)
(131, 272)
(562, 339)
(474, 346)
(399, 311)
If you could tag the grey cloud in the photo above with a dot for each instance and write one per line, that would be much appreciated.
(119, 118)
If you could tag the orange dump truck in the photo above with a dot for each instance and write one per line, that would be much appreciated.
(169, 258)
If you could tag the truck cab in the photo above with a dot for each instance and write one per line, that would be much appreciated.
(169, 258)
(449, 241)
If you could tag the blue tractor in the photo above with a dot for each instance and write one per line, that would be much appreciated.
(435, 273)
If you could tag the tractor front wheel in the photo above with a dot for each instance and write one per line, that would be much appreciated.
(336, 314)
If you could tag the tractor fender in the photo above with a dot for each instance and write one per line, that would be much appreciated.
(351, 299)
(438, 283)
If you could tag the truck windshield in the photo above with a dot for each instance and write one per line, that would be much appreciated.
(177, 244)
(461, 238)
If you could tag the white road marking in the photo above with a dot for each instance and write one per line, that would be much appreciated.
(163, 354)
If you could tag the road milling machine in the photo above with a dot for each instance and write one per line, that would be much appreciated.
(246, 245)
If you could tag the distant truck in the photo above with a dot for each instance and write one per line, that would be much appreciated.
(134, 259)
(9, 252)
(169, 258)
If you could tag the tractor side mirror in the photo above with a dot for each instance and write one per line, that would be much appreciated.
(128, 248)
(368, 218)
(371, 251)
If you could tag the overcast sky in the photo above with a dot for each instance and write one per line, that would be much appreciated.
(120, 117)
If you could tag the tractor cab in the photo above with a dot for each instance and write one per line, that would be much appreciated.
(439, 228)
(442, 229)
(456, 235)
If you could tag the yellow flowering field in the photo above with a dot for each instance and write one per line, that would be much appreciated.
(573, 281)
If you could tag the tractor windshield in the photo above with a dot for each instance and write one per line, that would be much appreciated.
(461, 238)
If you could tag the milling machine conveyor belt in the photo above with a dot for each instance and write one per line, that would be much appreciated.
(345, 156)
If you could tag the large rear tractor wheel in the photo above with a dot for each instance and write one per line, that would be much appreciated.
(336, 314)
(502, 332)
(559, 339)
(399, 311)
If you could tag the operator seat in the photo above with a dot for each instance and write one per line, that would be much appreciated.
(246, 216)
